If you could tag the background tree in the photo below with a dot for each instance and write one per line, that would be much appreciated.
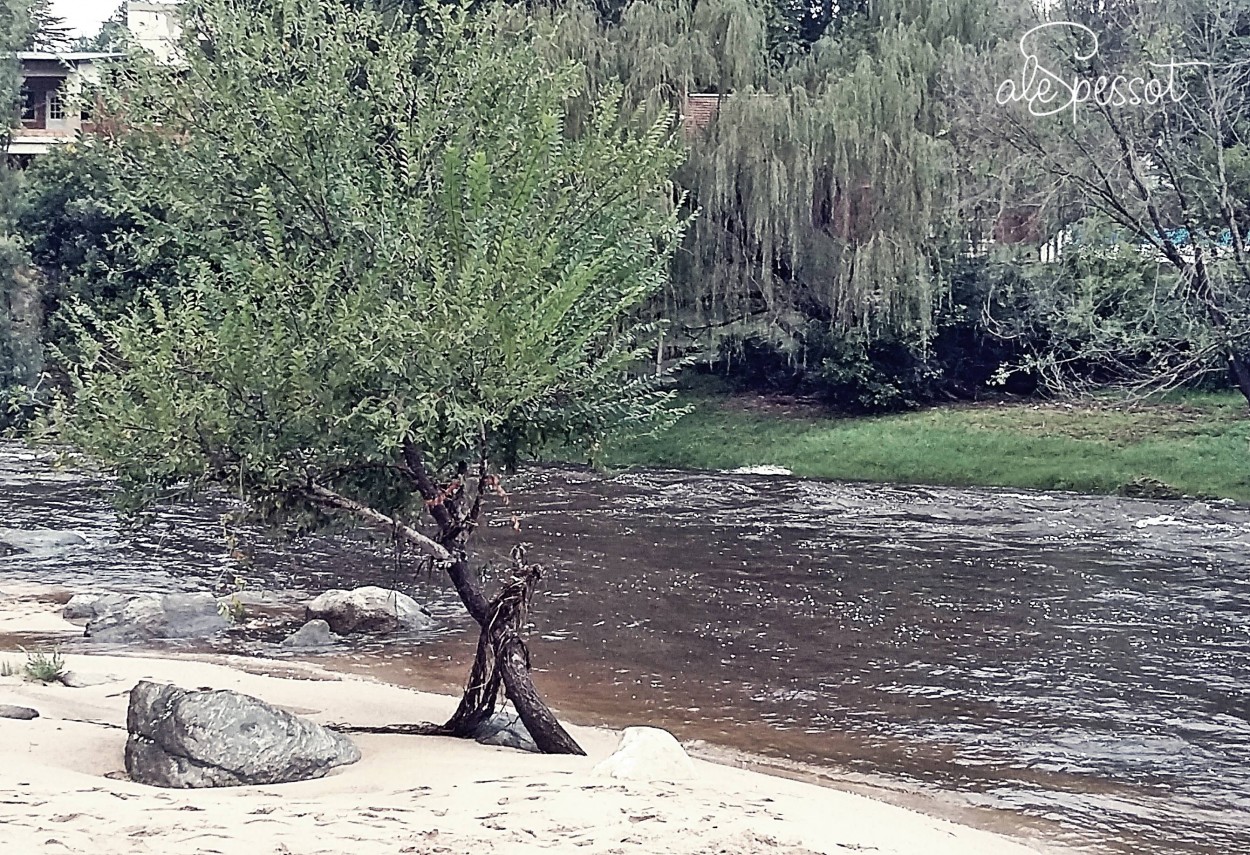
(48, 31)
(19, 329)
(388, 254)
(826, 182)
(1149, 198)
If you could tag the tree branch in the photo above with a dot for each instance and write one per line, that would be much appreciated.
(330, 499)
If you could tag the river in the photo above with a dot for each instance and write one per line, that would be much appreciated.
(1070, 667)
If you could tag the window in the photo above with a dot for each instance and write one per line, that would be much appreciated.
(56, 106)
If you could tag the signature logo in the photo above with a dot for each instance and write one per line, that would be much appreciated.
(1047, 93)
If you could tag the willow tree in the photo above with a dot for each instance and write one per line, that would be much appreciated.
(825, 183)
(392, 257)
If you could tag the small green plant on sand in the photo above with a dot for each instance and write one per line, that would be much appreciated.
(44, 667)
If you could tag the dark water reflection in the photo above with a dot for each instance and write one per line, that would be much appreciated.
(1082, 662)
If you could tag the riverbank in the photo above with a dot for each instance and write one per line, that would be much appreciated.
(1193, 445)
(67, 793)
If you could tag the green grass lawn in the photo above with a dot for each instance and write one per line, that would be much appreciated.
(1196, 444)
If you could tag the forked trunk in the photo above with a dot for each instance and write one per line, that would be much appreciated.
(503, 661)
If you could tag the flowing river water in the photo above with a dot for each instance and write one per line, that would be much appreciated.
(1075, 668)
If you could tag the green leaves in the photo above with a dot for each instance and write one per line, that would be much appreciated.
(380, 233)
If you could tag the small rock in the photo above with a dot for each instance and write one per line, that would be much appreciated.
(1149, 488)
(22, 713)
(315, 633)
(74, 680)
(507, 731)
(647, 754)
(219, 738)
(766, 469)
(263, 603)
(368, 610)
(90, 606)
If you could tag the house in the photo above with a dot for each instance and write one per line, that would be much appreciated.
(698, 110)
(50, 115)
(51, 82)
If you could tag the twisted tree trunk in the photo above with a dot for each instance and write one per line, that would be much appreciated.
(503, 662)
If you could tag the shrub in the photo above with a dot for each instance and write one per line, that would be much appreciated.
(44, 667)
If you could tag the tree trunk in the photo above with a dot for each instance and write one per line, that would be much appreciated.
(503, 661)
(513, 660)
(1239, 367)
(502, 658)
(477, 704)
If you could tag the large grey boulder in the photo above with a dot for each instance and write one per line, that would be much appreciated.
(140, 617)
(368, 610)
(218, 738)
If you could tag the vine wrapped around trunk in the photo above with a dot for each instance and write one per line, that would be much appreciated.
(502, 664)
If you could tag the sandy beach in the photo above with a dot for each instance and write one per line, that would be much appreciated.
(63, 787)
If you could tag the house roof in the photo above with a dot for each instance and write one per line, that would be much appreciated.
(38, 56)
(699, 109)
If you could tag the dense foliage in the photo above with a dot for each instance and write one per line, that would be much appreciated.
(390, 258)
(19, 329)
(874, 227)
(825, 187)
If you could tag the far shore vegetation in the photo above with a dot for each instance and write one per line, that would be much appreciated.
(1180, 444)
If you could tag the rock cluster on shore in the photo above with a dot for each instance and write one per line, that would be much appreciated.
(639, 792)
(135, 617)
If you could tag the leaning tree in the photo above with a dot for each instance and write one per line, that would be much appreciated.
(393, 261)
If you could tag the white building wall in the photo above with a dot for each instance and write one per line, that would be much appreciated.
(155, 28)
